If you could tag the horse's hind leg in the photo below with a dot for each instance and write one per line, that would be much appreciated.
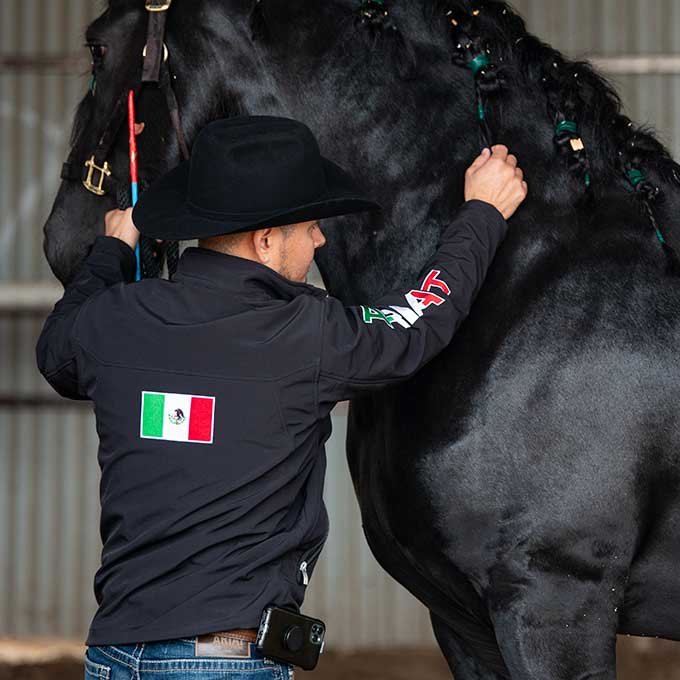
(462, 664)
(552, 630)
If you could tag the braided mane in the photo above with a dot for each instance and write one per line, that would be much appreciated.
(582, 106)
(575, 94)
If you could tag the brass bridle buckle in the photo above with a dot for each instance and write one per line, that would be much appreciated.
(151, 6)
(104, 172)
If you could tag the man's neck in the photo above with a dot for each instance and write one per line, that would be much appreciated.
(218, 248)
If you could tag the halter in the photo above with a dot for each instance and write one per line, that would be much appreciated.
(96, 174)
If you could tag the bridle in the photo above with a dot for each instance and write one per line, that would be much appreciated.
(96, 174)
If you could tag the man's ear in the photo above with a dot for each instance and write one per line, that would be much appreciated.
(263, 244)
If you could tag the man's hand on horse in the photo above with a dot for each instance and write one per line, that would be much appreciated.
(495, 178)
(119, 224)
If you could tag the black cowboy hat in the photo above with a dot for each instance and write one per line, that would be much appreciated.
(247, 173)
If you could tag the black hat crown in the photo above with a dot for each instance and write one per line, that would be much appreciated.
(247, 173)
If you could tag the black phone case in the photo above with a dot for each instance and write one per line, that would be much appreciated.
(273, 628)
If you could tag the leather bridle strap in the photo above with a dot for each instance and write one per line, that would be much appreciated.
(165, 83)
(154, 55)
(154, 39)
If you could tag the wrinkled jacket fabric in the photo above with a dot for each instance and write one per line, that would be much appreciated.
(199, 537)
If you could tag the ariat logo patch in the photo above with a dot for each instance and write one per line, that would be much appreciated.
(216, 644)
(418, 301)
(177, 417)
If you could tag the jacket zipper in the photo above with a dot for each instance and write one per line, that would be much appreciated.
(305, 576)
(308, 557)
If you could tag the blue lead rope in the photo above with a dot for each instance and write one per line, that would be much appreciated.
(138, 255)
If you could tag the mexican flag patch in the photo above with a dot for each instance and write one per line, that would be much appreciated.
(177, 417)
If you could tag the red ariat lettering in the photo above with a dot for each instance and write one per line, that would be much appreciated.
(426, 299)
(431, 281)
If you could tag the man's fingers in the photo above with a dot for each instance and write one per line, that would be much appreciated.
(480, 160)
(118, 219)
(500, 151)
(519, 173)
(512, 160)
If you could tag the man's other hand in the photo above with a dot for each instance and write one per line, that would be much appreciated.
(495, 178)
(120, 225)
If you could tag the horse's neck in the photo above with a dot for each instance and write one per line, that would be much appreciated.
(372, 126)
(414, 170)
(406, 157)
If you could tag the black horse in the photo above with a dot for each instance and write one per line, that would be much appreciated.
(524, 485)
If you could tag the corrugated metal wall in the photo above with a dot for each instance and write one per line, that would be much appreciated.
(35, 114)
(49, 540)
(49, 508)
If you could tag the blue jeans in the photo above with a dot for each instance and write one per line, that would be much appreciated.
(177, 660)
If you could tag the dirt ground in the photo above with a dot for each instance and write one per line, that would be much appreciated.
(54, 659)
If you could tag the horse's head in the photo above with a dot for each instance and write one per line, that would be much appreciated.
(213, 73)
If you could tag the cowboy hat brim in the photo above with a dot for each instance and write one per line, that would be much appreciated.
(164, 211)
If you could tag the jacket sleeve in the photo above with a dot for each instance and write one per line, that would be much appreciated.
(109, 261)
(370, 346)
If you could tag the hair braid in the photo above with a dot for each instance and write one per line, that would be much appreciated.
(473, 52)
(373, 23)
(639, 147)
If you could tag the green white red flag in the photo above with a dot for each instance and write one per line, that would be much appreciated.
(177, 417)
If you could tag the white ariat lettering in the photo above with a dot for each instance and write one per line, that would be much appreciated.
(394, 317)
(406, 313)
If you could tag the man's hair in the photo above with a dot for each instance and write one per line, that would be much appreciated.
(224, 243)
(228, 243)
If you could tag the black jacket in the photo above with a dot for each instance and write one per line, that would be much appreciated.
(212, 395)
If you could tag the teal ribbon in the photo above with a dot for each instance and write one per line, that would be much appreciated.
(93, 83)
(587, 179)
(566, 126)
(478, 63)
(480, 111)
(636, 176)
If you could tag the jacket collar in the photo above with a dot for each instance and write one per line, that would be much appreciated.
(238, 276)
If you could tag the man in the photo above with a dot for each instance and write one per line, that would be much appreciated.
(212, 392)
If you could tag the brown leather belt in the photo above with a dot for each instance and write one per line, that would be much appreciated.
(230, 643)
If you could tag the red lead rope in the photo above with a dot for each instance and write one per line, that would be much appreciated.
(133, 167)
